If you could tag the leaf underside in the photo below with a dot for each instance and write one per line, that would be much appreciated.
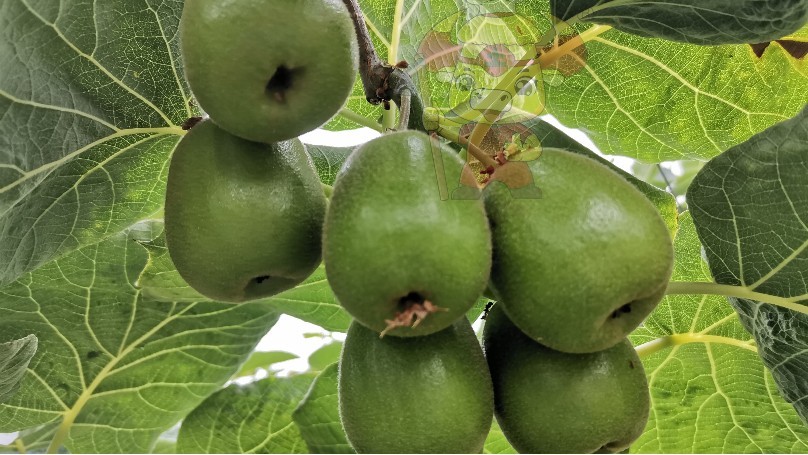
(750, 207)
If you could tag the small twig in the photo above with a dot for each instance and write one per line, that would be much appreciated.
(383, 82)
(406, 105)
(473, 149)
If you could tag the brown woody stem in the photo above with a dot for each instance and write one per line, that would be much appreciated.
(383, 82)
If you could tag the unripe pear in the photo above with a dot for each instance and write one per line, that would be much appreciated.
(401, 260)
(243, 219)
(553, 402)
(429, 394)
(269, 70)
(581, 267)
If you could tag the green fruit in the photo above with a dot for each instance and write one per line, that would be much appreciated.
(581, 267)
(429, 394)
(553, 402)
(243, 219)
(269, 70)
(394, 251)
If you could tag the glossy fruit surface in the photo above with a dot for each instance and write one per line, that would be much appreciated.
(269, 71)
(553, 402)
(393, 249)
(243, 219)
(581, 267)
(429, 394)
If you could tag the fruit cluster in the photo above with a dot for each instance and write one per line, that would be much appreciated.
(573, 272)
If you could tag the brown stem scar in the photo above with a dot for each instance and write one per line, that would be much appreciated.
(412, 316)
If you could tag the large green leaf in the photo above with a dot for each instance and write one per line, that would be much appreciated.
(710, 392)
(256, 418)
(657, 100)
(693, 21)
(317, 416)
(91, 96)
(15, 356)
(750, 206)
(113, 369)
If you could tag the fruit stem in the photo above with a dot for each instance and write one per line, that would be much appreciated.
(328, 190)
(383, 82)
(739, 292)
(654, 346)
(473, 149)
(404, 115)
(361, 119)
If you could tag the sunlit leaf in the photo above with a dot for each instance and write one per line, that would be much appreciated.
(115, 370)
(317, 416)
(92, 97)
(710, 392)
(255, 418)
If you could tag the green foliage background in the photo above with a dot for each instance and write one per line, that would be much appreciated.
(103, 348)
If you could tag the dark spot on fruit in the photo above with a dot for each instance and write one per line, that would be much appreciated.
(623, 309)
(281, 82)
(631, 364)
(93, 354)
(260, 279)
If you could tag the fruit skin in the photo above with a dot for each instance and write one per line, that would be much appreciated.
(429, 394)
(232, 50)
(237, 211)
(566, 264)
(553, 402)
(388, 234)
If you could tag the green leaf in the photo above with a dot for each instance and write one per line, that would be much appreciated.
(325, 356)
(91, 96)
(496, 441)
(33, 440)
(15, 356)
(692, 21)
(256, 418)
(710, 392)
(312, 301)
(113, 369)
(317, 416)
(328, 160)
(657, 100)
(263, 360)
(750, 206)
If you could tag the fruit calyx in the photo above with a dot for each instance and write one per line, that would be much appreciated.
(415, 308)
(281, 82)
